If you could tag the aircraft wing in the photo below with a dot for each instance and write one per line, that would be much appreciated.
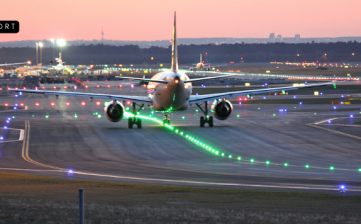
(206, 78)
(142, 79)
(21, 63)
(134, 99)
(207, 97)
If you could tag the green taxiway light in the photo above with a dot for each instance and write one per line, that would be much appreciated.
(307, 166)
(251, 160)
(332, 168)
(334, 85)
(32, 115)
(359, 170)
(259, 108)
(197, 110)
(222, 154)
(99, 116)
(230, 156)
(315, 113)
(239, 158)
(286, 164)
(267, 162)
(13, 117)
(183, 117)
(274, 114)
(237, 115)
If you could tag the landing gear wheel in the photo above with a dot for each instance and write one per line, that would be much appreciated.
(139, 123)
(130, 122)
(202, 121)
(210, 121)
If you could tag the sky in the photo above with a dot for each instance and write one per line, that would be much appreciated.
(148, 20)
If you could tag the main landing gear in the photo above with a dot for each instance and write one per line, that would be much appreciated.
(206, 119)
(135, 120)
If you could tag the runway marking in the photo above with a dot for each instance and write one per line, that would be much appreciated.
(212, 183)
(326, 120)
(25, 149)
(34, 170)
(333, 131)
(21, 137)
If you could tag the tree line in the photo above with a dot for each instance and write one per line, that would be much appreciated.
(224, 53)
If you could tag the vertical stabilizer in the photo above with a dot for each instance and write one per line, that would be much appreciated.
(174, 47)
(201, 59)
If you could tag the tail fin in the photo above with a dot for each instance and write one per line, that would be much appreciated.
(174, 47)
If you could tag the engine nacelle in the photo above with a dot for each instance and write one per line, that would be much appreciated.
(114, 111)
(222, 109)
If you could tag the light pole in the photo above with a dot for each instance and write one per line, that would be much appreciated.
(37, 46)
(52, 41)
(41, 52)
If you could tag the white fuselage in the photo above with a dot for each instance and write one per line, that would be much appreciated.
(171, 96)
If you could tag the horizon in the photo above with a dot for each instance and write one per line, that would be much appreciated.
(133, 21)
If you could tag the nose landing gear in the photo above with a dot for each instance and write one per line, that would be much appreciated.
(166, 120)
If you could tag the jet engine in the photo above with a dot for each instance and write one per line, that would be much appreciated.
(222, 109)
(114, 111)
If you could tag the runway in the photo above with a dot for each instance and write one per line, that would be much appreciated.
(72, 137)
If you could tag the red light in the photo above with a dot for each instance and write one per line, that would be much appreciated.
(106, 80)
(98, 103)
(21, 104)
(67, 103)
(54, 87)
(37, 104)
(9, 88)
(132, 85)
(16, 88)
(52, 104)
(98, 86)
(43, 87)
(108, 86)
(1, 88)
(24, 87)
(75, 87)
(144, 85)
(65, 87)
(36, 88)
(245, 98)
(240, 99)
(128, 102)
(6, 104)
(83, 103)
(86, 87)
(87, 80)
(120, 86)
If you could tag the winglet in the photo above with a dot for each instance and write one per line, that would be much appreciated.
(174, 48)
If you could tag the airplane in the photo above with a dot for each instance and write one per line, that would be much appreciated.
(170, 91)
(201, 66)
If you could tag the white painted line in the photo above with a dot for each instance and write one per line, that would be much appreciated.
(326, 120)
(21, 137)
(11, 141)
(26, 107)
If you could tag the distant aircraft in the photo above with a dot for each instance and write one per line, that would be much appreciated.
(170, 91)
(200, 66)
